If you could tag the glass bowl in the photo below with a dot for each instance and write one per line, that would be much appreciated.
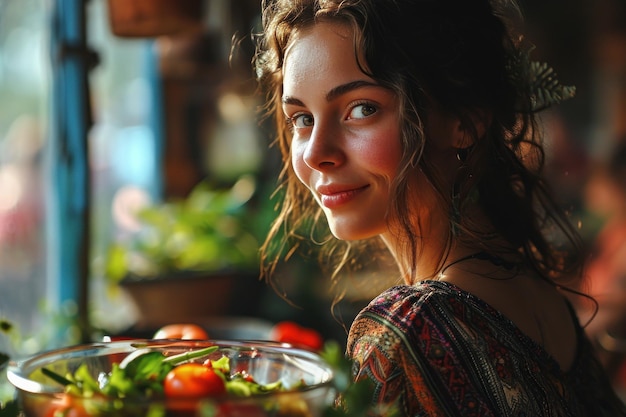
(306, 377)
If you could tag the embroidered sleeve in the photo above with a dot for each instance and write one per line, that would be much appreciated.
(381, 355)
(412, 362)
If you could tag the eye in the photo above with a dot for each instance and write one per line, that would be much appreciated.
(361, 111)
(301, 121)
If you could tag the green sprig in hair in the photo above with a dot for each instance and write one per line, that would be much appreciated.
(538, 80)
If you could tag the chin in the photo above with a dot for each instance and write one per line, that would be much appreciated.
(351, 235)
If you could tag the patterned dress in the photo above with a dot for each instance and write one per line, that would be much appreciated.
(437, 350)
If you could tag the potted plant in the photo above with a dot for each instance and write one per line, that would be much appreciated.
(189, 256)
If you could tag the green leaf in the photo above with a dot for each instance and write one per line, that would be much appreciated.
(537, 80)
(148, 367)
(85, 381)
(186, 356)
(116, 384)
(239, 388)
(222, 364)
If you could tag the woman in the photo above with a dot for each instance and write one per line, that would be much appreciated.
(411, 122)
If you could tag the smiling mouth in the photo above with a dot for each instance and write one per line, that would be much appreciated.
(339, 198)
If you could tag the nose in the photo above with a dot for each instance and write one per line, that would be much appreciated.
(324, 147)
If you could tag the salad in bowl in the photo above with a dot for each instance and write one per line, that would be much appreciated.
(171, 378)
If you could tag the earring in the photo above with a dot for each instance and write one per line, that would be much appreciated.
(461, 154)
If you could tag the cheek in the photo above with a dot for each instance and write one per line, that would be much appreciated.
(385, 159)
(382, 155)
(299, 166)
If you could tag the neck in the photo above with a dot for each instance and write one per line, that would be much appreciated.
(424, 264)
(432, 259)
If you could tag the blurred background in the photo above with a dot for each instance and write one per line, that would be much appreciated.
(133, 165)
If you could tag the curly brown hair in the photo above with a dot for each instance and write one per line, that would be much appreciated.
(456, 55)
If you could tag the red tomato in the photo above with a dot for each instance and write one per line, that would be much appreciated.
(66, 407)
(192, 380)
(293, 333)
(186, 331)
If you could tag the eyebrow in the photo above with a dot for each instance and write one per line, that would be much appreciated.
(335, 92)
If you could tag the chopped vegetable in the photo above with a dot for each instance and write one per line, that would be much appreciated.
(192, 380)
(146, 375)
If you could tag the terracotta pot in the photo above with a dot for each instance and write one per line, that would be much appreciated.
(152, 18)
(181, 299)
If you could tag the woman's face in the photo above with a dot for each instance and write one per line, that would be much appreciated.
(346, 133)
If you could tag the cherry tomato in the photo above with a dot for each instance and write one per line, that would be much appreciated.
(66, 407)
(185, 331)
(294, 334)
(192, 380)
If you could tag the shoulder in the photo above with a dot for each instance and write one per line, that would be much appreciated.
(411, 339)
(406, 315)
(425, 291)
(400, 306)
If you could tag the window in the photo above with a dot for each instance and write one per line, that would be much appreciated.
(24, 86)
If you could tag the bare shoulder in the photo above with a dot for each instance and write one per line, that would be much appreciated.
(535, 306)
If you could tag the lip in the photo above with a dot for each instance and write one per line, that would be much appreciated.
(333, 196)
